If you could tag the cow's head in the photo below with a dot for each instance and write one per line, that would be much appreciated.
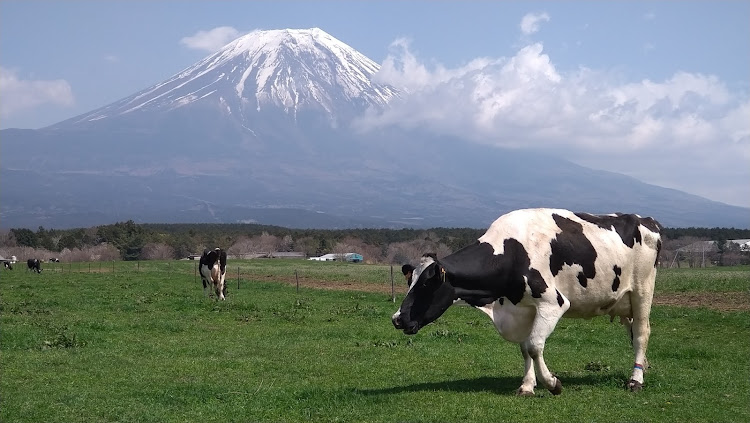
(427, 299)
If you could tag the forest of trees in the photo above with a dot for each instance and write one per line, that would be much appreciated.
(132, 241)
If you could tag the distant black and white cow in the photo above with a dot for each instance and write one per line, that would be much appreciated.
(533, 267)
(34, 265)
(213, 269)
(8, 265)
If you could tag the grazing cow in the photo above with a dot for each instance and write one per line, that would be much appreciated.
(7, 265)
(533, 267)
(54, 260)
(213, 269)
(34, 265)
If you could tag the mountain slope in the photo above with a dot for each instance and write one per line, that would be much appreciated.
(260, 131)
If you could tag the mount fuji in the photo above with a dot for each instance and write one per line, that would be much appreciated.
(262, 131)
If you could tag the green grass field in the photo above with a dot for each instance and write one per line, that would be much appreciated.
(143, 344)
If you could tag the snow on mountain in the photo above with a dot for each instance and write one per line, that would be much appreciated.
(291, 69)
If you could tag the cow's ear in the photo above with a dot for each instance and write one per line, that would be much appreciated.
(431, 273)
(427, 273)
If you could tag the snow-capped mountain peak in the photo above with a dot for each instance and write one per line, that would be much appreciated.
(292, 69)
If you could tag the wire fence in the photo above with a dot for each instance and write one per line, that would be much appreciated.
(349, 276)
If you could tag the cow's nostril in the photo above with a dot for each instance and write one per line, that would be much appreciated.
(397, 322)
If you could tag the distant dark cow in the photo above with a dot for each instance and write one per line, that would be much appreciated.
(7, 265)
(34, 265)
(407, 270)
(213, 269)
(533, 267)
(54, 260)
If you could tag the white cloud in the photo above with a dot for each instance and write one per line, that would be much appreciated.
(19, 95)
(111, 58)
(530, 22)
(211, 40)
(688, 131)
(649, 16)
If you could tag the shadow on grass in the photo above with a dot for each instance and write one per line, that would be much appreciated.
(495, 385)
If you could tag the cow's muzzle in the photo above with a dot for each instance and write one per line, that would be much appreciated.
(409, 328)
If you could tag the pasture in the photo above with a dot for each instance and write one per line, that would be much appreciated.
(127, 342)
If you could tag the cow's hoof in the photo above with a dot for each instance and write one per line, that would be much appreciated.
(634, 385)
(524, 393)
(557, 390)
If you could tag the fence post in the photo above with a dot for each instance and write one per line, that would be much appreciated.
(393, 287)
(296, 277)
(238, 278)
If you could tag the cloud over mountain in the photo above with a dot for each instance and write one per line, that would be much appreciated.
(594, 117)
(20, 94)
(211, 40)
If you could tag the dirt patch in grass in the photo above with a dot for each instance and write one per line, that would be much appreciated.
(721, 301)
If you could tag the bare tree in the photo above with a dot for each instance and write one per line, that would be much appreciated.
(242, 247)
(101, 252)
(157, 251)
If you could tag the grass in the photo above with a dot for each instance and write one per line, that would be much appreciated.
(142, 344)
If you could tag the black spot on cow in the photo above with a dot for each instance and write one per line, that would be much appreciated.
(485, 276)
(582, 279)
(572, 247)
(658, 252)
(560, 300)
(616, 282)
(521, 273)
(626, 225)
(536, 283)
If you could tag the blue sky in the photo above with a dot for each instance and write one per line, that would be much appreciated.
(655, 90)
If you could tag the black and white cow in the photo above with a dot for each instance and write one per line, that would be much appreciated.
(8, 265)
(213, 269)
(533, 267)
(34, 265)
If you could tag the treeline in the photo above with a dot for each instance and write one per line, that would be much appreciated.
(147, 241)
(134, 241)
(711, 234)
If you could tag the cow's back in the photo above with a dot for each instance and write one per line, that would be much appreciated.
(595, 261)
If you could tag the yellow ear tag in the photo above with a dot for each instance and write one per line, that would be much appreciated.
(442, 274)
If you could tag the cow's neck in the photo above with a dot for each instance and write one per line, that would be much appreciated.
(477, 275)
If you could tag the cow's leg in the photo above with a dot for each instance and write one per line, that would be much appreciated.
(222, 286)
(641, 328)
(219, 289)
(529, 377)
(206, 288)
(548, 314)
(514, 323)
(627, 322)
